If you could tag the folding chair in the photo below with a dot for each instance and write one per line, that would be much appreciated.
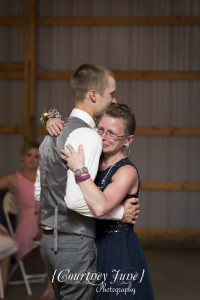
(10, 207)
(1, 285)
(8, 247)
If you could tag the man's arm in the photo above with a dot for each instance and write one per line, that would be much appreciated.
(37, 187)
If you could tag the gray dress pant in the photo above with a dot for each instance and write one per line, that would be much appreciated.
(70, 267)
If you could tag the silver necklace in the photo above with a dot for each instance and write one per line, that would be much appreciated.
(103, 181)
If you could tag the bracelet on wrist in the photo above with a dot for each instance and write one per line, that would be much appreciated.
(51, 113)
(79, 172)
(81, 178)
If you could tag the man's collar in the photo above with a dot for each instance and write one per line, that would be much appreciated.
(76, 112)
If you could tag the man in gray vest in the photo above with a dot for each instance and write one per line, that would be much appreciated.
(67, 245)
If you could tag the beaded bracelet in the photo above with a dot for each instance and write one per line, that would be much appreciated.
(80, 172)
(81, 178)
(51, 113)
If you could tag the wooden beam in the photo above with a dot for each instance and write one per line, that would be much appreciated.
(15, 71)
(168, 231)
(12, 75)
(168, 237)
(12, 21)
(148, 75)
(54, 75)
(168, 131)
(116, 21)
(155, 131)
(12, 71)
(11, 67)
(11, 129)
(170, 185)
(122, 75)
(163, 131)
(103, 21)
(29, 71)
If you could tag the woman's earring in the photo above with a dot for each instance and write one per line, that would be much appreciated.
(126, 151)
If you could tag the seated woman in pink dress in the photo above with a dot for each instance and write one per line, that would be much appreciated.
(21, 184)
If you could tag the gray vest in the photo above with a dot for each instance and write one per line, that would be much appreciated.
(53, 178)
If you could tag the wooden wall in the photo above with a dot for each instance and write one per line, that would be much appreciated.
(31, 75)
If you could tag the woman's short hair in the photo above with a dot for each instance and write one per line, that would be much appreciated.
(87, 77)
(122, 111)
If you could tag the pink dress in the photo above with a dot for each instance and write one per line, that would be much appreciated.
(27, 220)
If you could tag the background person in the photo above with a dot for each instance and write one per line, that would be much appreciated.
(21, 185)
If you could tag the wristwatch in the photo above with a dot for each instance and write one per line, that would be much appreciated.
(79, 172)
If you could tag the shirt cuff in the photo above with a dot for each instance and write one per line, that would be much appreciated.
(115, 214)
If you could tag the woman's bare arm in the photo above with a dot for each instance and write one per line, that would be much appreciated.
(100, 202)
(123, 181)
(8, 182)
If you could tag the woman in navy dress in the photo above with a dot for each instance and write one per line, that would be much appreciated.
(121, 259)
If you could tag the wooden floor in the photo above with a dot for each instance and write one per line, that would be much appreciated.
(175, 274)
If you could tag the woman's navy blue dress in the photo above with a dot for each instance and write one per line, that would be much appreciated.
(120, 255)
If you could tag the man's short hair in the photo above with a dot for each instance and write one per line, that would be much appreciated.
(87, 77)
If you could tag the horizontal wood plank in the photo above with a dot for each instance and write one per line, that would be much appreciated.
(12, 21)
(122, 75)
(168, 131)
(157, 131)
(104, 21)
(116, 21)
(12, 71)
(170, 185)
(169, 237)
(11, 67)
(161, 131)
(12, 75)
(16, 71)
(168, 231)
(54, 75)
(148, 75)
(11, 129)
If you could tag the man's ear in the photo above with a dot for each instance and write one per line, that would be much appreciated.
(92, 95)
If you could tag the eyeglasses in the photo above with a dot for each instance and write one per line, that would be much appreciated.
(110, 136)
